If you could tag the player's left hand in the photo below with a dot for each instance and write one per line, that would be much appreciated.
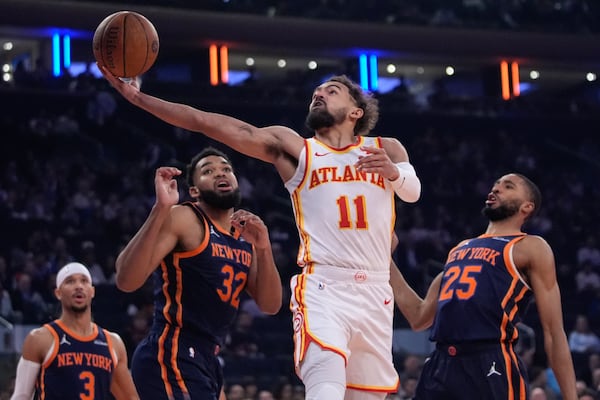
(377, 161)
(251, 228)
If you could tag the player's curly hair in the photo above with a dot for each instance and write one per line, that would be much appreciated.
(191, 167)
(364, 100)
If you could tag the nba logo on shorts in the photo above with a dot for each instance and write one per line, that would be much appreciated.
(360, 276)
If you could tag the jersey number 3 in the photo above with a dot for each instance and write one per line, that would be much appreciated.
(459, 282)
(88, 384)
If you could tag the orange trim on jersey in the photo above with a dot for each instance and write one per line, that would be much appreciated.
(378, 389)
(178, 291)
(361, 141)
(510, 266)
(302, 256)
(111, 348)
(506, 352)
(178, 316)
(304, 250)
(307, 151)
(488, 235)
(224, 231)
(509, 293)
(55, 349)
(503, 325)
(379, 142)
(201, 246)
(165, 278)
(74, 335)
(161, 361)
(41, 383)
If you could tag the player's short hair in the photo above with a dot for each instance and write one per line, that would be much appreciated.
(535, 195)
(364, 100)
(208, 151)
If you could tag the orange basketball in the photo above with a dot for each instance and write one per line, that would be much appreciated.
(126, 43)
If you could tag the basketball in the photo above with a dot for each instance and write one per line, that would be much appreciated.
(126, 43)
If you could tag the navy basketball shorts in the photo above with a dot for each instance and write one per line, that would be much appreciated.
(473, 371)
(163, 368)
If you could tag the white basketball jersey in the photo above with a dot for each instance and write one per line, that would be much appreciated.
(345, 217)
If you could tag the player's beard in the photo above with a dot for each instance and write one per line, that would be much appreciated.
(502, 212)
(322, 118)
(223, 201)
(79, 309)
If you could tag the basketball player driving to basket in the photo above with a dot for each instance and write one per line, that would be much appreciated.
(342, 184)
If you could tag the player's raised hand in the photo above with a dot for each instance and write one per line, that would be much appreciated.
(251, 227)
(377, 161)
(127, 87)
(166, 186)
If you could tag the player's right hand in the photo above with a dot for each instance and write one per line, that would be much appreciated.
(128, 88)
(165, 185)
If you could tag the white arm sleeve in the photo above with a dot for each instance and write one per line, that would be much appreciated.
(27, 372)
(407, 186)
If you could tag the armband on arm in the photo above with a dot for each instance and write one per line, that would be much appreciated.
(27, 372)
(407, 186)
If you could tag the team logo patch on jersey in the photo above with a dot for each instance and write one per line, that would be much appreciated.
(360, 276)
(64, 340)
(100, 343)
(192, 352)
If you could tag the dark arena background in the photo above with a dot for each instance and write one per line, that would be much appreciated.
(473, 89)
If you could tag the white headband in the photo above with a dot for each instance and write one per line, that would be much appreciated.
(70, 269)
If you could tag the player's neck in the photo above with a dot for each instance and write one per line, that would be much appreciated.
(218, 215)
(337, 136)
(503, 228)
(80, 324)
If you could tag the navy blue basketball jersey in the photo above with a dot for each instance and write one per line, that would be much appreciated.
(78, 367)
(198, 292)
(482, 294)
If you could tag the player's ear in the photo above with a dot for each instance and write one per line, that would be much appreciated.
(57, 294)
(194, 191)
(357, 113)
(528, 207)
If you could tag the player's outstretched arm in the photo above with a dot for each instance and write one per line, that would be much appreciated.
(264, 282)
(418, 312)
(534, 252)
(122, 386)
(267, 144)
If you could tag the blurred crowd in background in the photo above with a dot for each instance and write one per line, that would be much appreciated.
(579, 16)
